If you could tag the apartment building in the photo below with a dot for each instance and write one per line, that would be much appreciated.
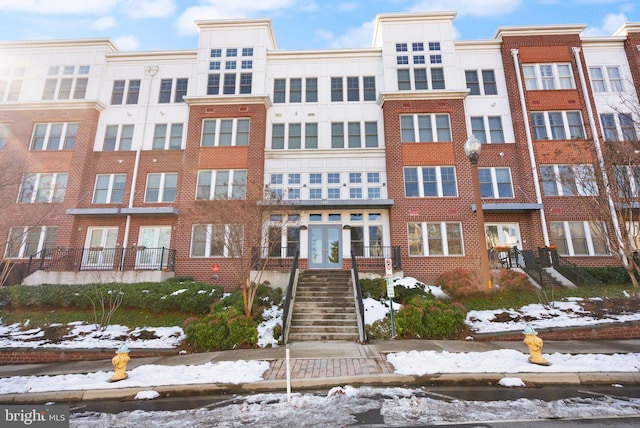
(122, 159)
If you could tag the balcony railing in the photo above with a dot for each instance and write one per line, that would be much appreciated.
(64, 259)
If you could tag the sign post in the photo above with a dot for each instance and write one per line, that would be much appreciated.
(388, 270)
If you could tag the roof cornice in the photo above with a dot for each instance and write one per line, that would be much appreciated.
(63, 43)
(421, 95)
(54, 105)
(240, 23)
(539, 30)
(146, 56)
(228, 100)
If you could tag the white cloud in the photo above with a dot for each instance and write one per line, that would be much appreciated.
(225, 9)
(348, 6)
(126, 43)
(103, 23)
(148, 8)
(71, 7)
(468, 7)
(610, 24)
(359, 37)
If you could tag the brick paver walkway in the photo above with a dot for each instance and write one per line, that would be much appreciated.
(332, 367)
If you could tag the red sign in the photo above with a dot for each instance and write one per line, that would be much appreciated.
(215, 268)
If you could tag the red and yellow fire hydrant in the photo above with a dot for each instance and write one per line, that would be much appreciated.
(534, 343)
(120, 363)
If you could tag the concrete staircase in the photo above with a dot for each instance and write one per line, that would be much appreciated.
(324, 307)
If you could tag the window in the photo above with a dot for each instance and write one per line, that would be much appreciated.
(213, 84)
(130, 87)
(336, 89)
(579, 238)
(41, 187)
(495, 182)
(473, 84)
(166, 90)
(606, 79)
(479, 129)
(310, 135)
(628, 181)
(295, 136)
(167, 136)
(118, 137)
(295, 90)
(225, 132)
(217, 240)
(371, 134)
(369, 88)
(628, 127)
(4, 135)
(353, 89)
(437, 78)
(161, 187)
(421, 77)
(109, 188)
(557, 125)
(432, 181)
(425, 128)
(434, 239)
(11, 83)
(229, 78)
(568, 180)
(311, 89)
(337, 135)
(25, 242)
(290, 136)
(67, 85)
(404, 81)
(488, 84)
(229, 86)
(548, 76)
(221, 184)
(54, 136)
(279, 90)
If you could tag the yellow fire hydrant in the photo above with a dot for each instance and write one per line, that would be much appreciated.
(534, 343)
(120, 363)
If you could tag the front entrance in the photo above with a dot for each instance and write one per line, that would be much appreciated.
(325, 247)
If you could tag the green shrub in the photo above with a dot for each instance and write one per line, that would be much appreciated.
(375, 288)
(380, 329)
(508, 279)
(429, 318)
(224, 329)
(459, 282)
(609, 275)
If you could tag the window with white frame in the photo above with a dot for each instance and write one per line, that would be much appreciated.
(217, 240)
(232, 81)
(11, 83)
(606, 79)
(366, 229)
(43, 187)
(579, 238)
(222, 184)
(618, 127)
(487, 129)
(628, 181)
(161, 187)
(568, 180)
(283, 236)
(495, 182)
(548, 76)
(311, 89)
(25, 241)
(109, 188)
(434, 238)
(66, 82)
(430, 181)
(425, 128)
(633, 233)
(483, 83)
(118, 138)
(417, 76)
(4, 135)
(557, 125)
(167, 136)
(125, 92)
(54, 136)
(170, 92)
(225, 132)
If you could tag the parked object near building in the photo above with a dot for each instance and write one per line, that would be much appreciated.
(535, 344)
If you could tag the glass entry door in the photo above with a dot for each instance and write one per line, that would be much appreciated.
(100, 247)
(325, 249)
(150, 243)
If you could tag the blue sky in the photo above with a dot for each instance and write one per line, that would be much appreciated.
(298, 24)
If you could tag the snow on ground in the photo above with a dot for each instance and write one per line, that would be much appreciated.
(88, 336)
(507, 361)
(396, 406)
(234, 372)
(559, 314)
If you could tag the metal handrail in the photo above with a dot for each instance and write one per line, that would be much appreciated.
(362, 330)
(286, 319)
(567, 269)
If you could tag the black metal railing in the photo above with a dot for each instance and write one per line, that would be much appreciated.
(288, 298)
(64, 259)
(571, 271)
(359, 302)
(268, 258)
(372, 257)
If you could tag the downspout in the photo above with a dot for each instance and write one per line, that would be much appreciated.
(532, 157)
(151, 71)
(596, 143)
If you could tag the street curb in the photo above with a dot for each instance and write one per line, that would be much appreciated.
(444, 379)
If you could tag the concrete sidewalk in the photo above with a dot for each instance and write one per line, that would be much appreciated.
(325, 364)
